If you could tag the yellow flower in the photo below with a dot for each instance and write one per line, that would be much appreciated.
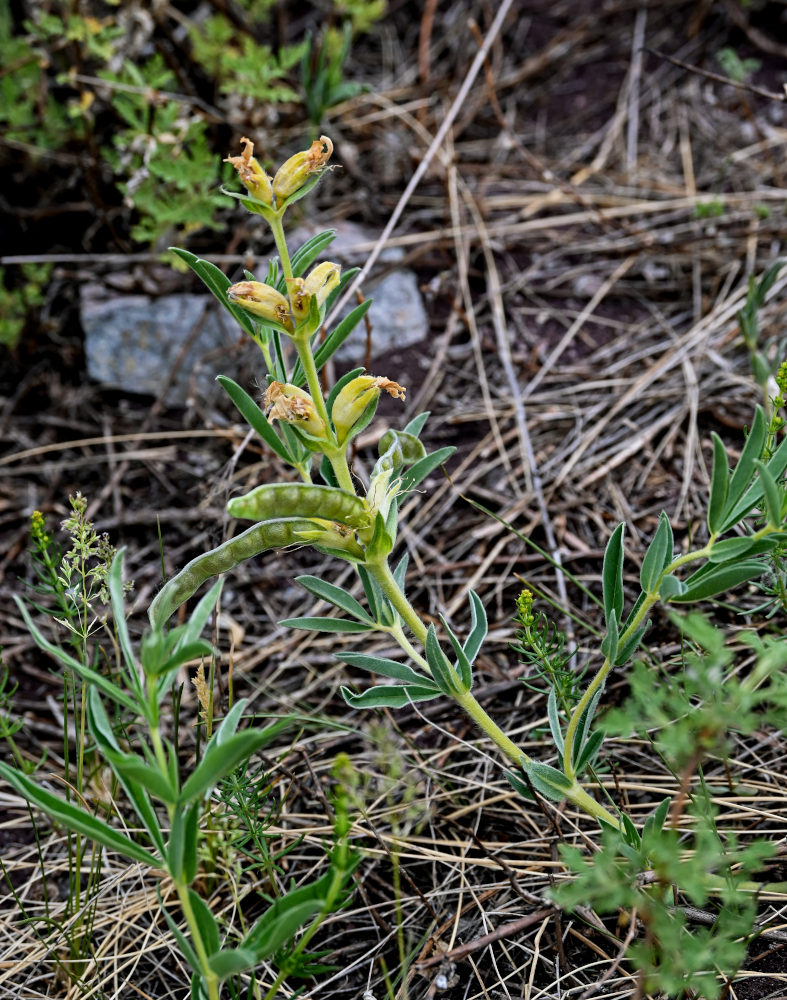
(295, 406)
(320, 283)
(253, 177)
(354, 399)
(294, 173)
(261, 300)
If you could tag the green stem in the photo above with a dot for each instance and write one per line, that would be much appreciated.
(210, 977)
(381, 572)
(274, 221)
(341, 469)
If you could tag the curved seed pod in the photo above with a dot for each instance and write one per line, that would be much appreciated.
(256, 539)
(301, 500)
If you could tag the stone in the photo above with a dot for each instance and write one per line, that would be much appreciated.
(133, 341)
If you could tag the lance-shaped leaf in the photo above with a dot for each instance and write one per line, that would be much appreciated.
(103, 734)
(554, 720)
(547, 780)
(183, 943)
(612, 575)
(182, 854)
(281, 921)
(255, 418)
(416, 425)
(418, 472)
(657, 556)
(671, 588)
(390, 695)
(589, 751)
(727, 549)
(583, 729)
(344, 625)
(462, 668)
(334, 595)
(609, 644)
(76, 819)
(719, 486)
(478, 627)
(719, 580)
(385, 667)
(777, 466)
(305, 255)
(221, 759)
(746, 467)
(626, 649)
(443, 673)
(218, 283)
(773, 496)
(231, 961)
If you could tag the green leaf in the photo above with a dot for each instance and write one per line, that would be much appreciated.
(334, 595)
(409, 448)
(655, 822)
(777, 465)
(182, 854)
(478, 627)
(231, 961)
(416, 425)
(719, 486)
(374, 595)
(727, 549)
(609, 644)
(229, 724)
(91, 676)
(386, 668)
(309, 252)
(626, 651)
(208, 928)
(721, 579)
(102, 733)
(418, 472)
(254, 417)
(326, 625)
(180, 937)
(746, 466)
(76, 819)
(382, 543)
(612, 575)
(340, 333)
(390, 695)
(115, 585)
(773, 496)
(657, 556)
(519, 786)
(224, 758)
(462, 670)
(671, 587)
(547, 780)
(281, 921)
(218, 283)
(442, 671)
(554, 721)
(589, 751)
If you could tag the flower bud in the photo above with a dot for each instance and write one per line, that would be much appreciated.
(253, 177)
(294, 172)
(320, 283)
(295, 406)
(261, 300)
(354, 398)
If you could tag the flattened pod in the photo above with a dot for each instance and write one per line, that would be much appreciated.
(301, 500)
(256, 539)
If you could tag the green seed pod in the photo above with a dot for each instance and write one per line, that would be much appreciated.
(256, 539)
(301, 500)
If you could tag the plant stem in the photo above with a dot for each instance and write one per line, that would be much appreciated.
(210, 977)
(381, 572)
(274, 221)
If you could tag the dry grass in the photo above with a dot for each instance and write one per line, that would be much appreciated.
(584, 344)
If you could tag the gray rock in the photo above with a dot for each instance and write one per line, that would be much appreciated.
(133, 341)
(397, 316)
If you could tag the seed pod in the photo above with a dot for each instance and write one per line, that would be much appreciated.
(301, 500)
(256, 539)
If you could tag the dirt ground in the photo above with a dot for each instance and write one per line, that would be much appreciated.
(589, 211)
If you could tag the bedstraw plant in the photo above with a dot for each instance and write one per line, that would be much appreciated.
(327, 507)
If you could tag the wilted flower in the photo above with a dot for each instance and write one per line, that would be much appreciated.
(354, 398)
(261, 300)
(294, 172)
(295, 406)
(320, 283)
(253, 177)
